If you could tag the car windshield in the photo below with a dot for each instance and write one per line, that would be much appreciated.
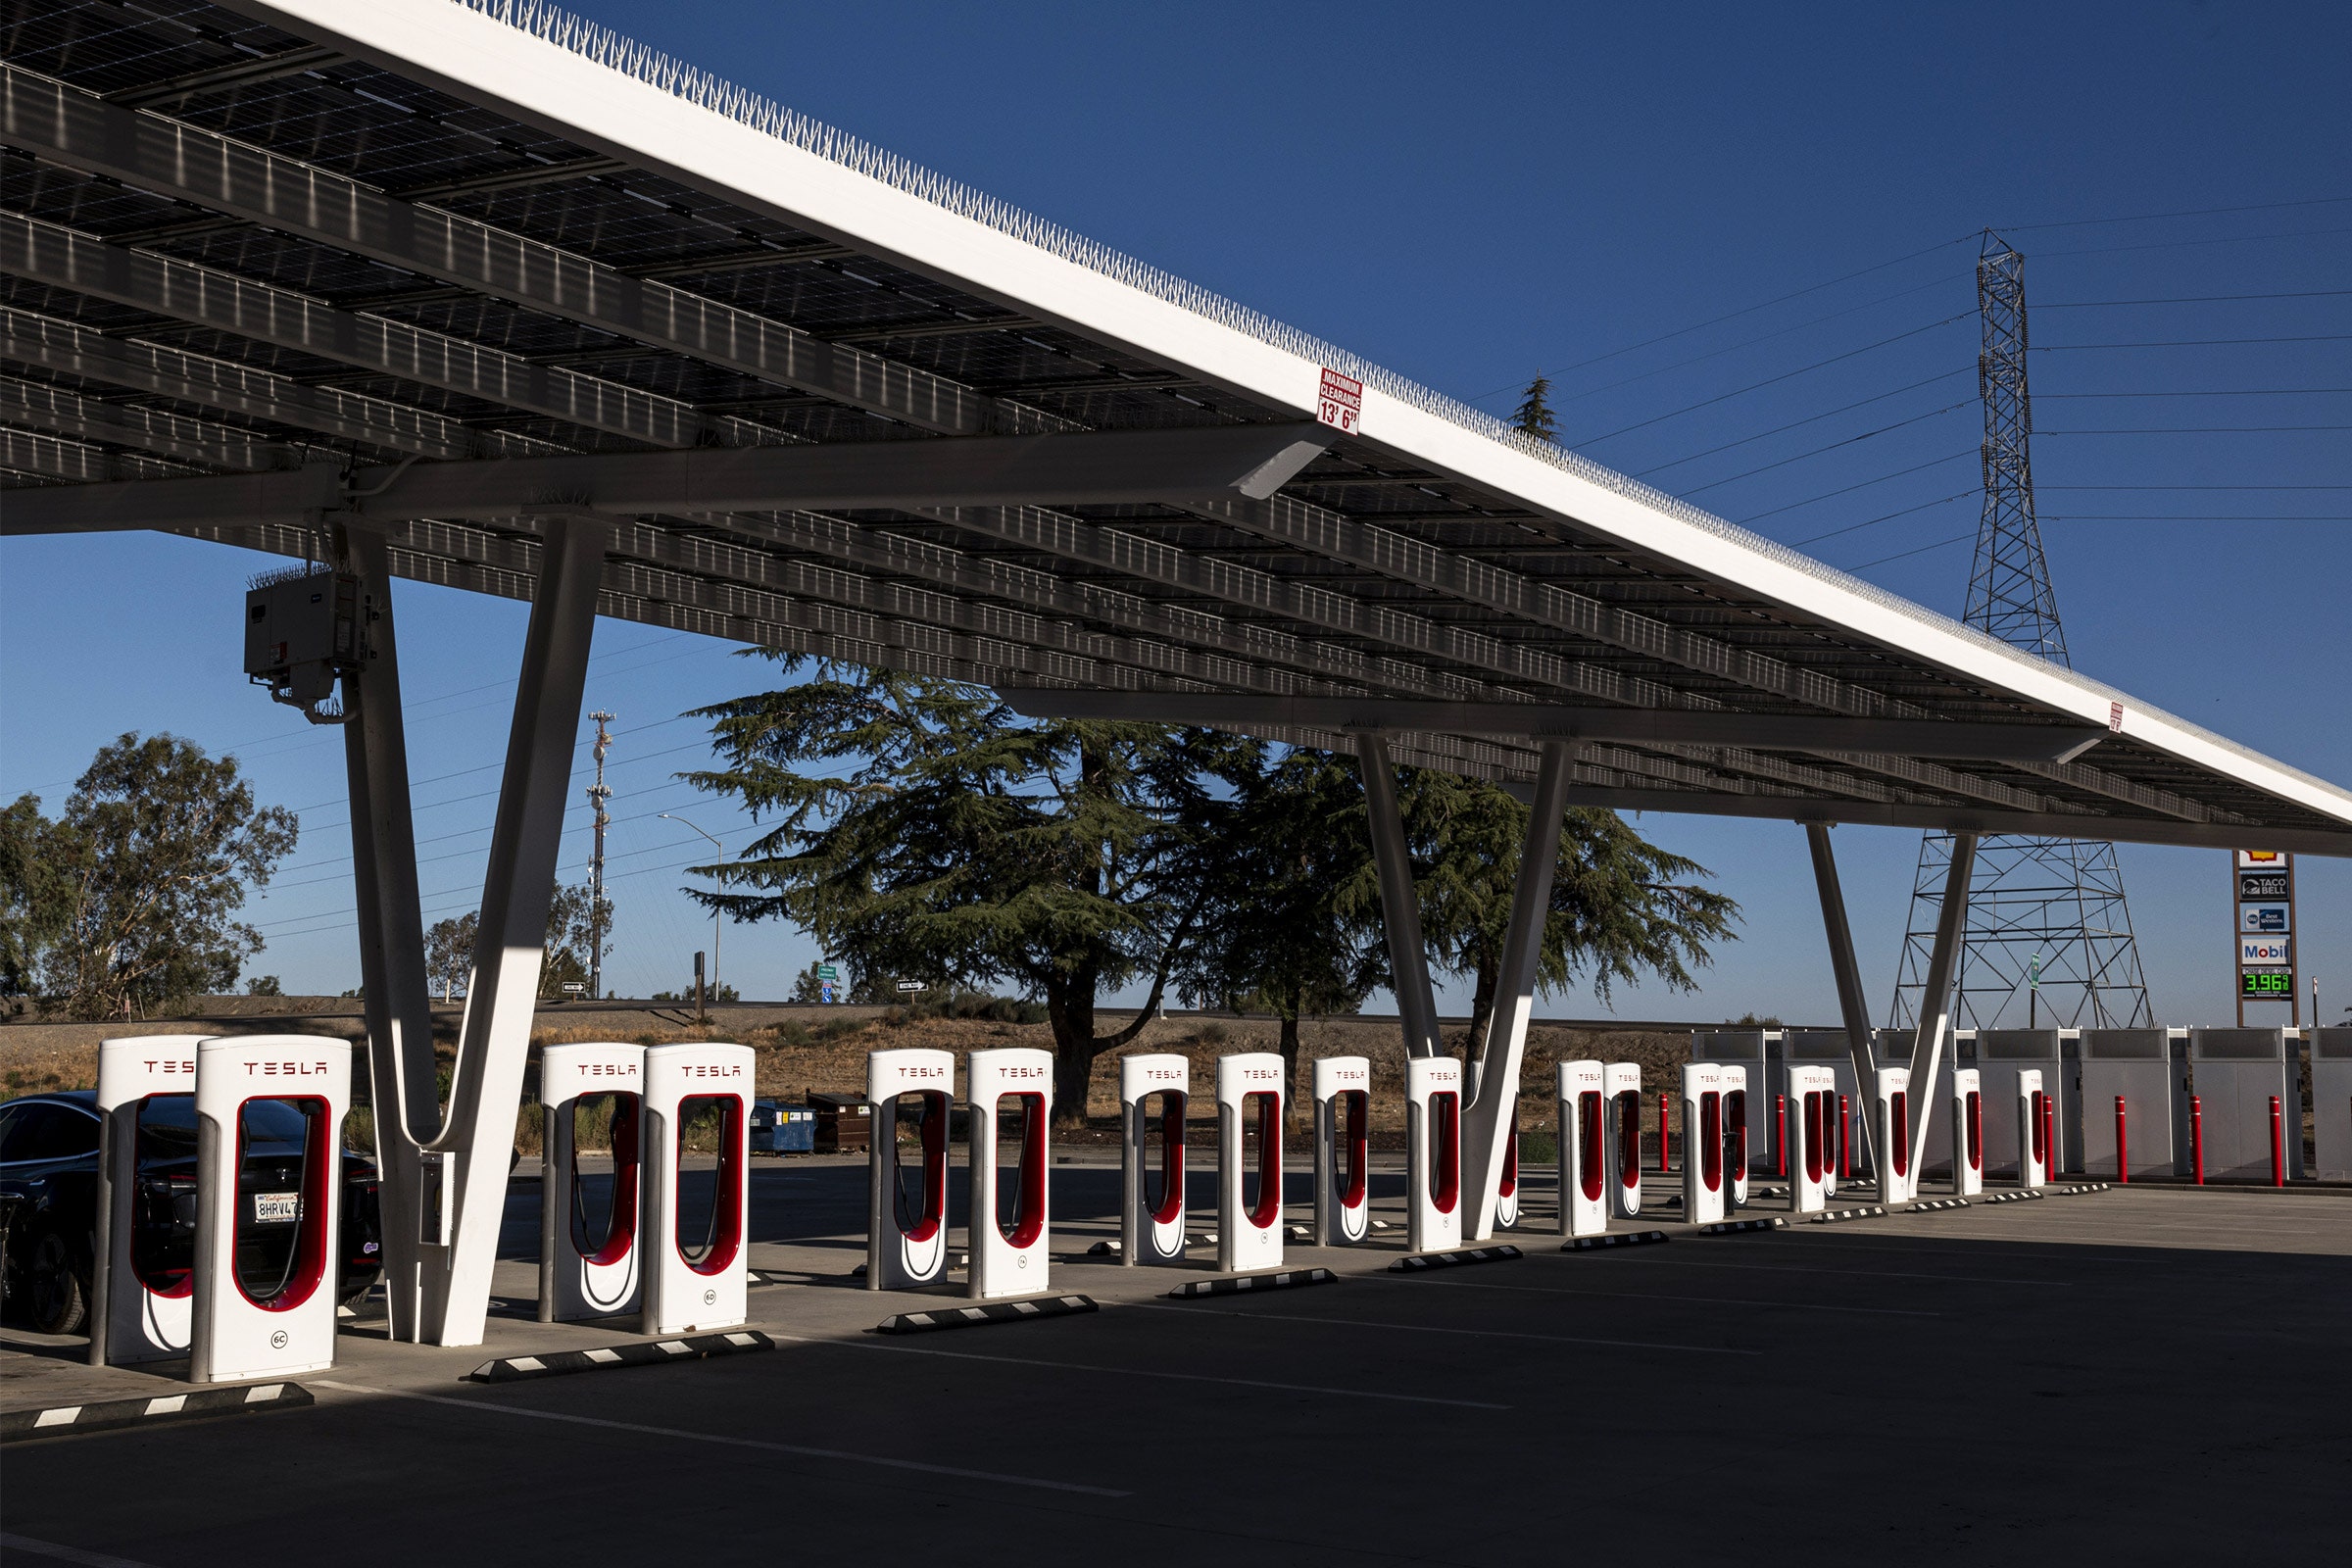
(273, 1119)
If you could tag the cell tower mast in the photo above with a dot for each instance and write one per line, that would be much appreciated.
(2048, 939)
(598, 795)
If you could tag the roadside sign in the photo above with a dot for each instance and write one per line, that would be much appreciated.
(828, 971)
(825, 993)
(575, 987)
(910, 985)
(1340, 402)
(2263, 885)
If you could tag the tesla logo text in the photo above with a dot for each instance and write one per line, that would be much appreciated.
(168, 1066)
(712, 1070)
(285, 1069)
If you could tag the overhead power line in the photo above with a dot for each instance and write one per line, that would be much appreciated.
(2150, 218)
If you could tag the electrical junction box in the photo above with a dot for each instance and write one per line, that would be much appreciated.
(302, 628)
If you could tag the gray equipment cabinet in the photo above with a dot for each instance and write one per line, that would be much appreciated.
(2236, 1073)
(2003, 1054)
(2332, 1103)
(2137, 1066)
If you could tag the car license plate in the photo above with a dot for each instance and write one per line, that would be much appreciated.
(276, 1208)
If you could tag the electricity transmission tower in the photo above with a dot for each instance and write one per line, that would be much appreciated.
(2048, 939)
(598, 795)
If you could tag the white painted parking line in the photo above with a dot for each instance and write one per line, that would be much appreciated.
(1858, 1273)
(801, 1451)
(50, 1549)
(1426, 1328)
(1142, 1372)
(1709, 1300)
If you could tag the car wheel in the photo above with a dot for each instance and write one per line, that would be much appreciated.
(61, 1302)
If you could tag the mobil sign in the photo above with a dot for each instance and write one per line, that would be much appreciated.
(2253, 950)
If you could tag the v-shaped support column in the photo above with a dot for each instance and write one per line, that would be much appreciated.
(1399, 905)
(1934, 1030)
(444, 1175)
(1851, 1003)
(1495, 1085)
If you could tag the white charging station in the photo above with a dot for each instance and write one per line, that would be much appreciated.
(1812, 1137)
(1433, 1144)
(2237, 1073)
(907, 1209)
(1890, 1108)
(697, 1270)
(1343, 1088)
(268, 1230)
(2002, 1055)
(2033, 1129)
(1152, 1224)
(2132, 1066)
(1967, 1120)
(1825, 1050)
(1748, 1121)
(2332, 1103)
(143, 1301)
(1621, 1091)
(589, 1261)
(1736, 1144)
(1584, 1148)
(1249, 1234)
(1507, 1185)
(1701, 1112)
(1008, 1238)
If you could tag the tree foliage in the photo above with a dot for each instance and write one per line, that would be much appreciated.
(127, 902)
(1622, 909)
(448, 952)
(1534, 414)
(919, 829)
(576, 919)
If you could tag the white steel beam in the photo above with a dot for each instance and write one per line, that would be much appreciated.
(1493, 1091)
(1544, 720)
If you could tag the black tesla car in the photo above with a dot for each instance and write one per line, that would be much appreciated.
(49, 1190)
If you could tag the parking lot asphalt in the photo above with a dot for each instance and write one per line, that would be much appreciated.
(2150, 1373)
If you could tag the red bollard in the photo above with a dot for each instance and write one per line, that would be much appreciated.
(1780, 1141)
(2197, 1138)
(1665, 1132)
(2278, 1145)
(1845, 1117)
(2049, 1135)
(2122, 1144)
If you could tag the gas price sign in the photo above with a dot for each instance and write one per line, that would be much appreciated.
(2262, 885)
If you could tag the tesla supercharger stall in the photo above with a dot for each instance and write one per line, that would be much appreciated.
(1735, 1143)
(1249, 1230)
(2003, 1056)
(697, 1272)
(1750, 1052)
(1812, 1137)
(2032, 1124)
(2239, 1075)
(1009, 1233)
(1702, 1143)
(1343, 1089)
(143, 1296)
(588, 1254)
(1432, 1144)
(1621, 1093)
(1507, 1185)
(268, 1230)
(2126, 1103)
(1152, 1162)
(2332, 1103)
(907, 1202)
(1825, 1050)
(1892, 1111)
(1965, 1121)
(1584, 1148)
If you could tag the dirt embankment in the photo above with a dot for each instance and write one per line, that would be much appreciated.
(804, 1048)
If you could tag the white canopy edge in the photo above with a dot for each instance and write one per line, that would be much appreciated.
(477, 57)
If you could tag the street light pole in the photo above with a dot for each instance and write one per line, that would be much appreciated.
(717, 916)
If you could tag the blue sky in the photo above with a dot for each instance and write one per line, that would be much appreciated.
(1741, 241)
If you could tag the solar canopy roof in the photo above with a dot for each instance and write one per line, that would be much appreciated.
(444, 267)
